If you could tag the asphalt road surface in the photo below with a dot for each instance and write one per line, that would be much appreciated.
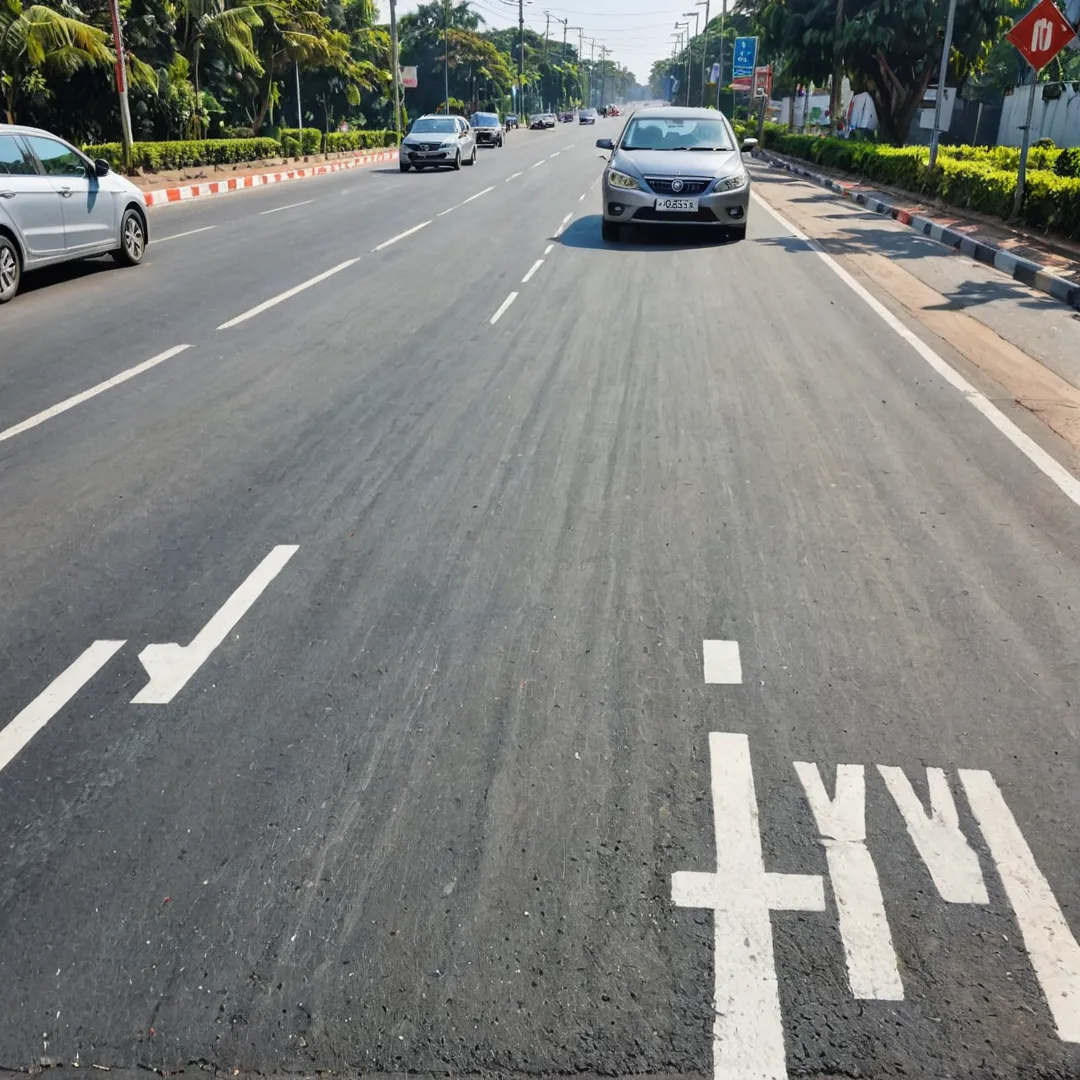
(471, 648)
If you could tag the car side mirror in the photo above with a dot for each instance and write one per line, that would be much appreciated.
(748, 145)
(101, 167)
(605, 144)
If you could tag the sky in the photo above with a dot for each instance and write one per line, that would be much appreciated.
(636, 31)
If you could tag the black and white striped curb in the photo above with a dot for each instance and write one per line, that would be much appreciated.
(1022, 270)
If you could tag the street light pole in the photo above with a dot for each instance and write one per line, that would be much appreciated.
(521, 59)
(705, 49)
(121, 84)
(690, 52)
(395, 60)
(935, 135)
(446, 56)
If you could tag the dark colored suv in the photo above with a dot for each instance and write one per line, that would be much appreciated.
(487, 128)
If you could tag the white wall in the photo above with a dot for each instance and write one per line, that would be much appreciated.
(1058, 120)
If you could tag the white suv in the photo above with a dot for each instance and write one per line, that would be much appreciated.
(437, 140)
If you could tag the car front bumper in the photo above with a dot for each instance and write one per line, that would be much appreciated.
(487, 138)
(725, 209)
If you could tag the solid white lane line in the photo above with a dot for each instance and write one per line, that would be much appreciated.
(54, 697)
(502, 308)
(78, 399)
(514, 177)
(450, 210)
(1043, 461)
(722, 662)
(180, 235)
(532, 270)
(549, 249)
(274, 300)
(290, 206)
(477, 195)
(1055, 956)
(170, 666)
(401, 236)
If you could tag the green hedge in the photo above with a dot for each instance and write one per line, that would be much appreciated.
(177, 155)
(341, 141)
(972, 178)
(295, 143)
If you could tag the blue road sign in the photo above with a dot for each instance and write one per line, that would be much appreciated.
(745, 58)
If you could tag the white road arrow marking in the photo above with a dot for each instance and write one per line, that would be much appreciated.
(54, 697)
(748, 1030)
(170, 665)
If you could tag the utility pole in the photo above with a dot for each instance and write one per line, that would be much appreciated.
(705, 49)
(521, 59)
(565, 27)
(837, 70)
(121, 84)
(580, 64)
(686, 26)
(592, 68)
(395, 60)
(723, 45)
(690, 53)
(935, 135)
(446, 56)
(547, 32)
(299, 111)
(603, 73)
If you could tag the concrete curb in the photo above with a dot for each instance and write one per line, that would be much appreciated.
(238, 183)
(1023, 270)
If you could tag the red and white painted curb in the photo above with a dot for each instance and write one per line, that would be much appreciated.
(238, 183)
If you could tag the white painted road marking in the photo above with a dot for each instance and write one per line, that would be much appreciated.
(401, 236)
(290, 206)
(54, 697)
(555, 155)
(748, 1030)
(170, 666)
(1043, 461)
(477, 195)
(549, 249)
(864, 929)
(1054, 953)
(952, 863)
(514, 176)
(281, 297)
(538, 164)
(502, 308)
(532, 270)
(100, 388)
(181, 235)
(722, 662)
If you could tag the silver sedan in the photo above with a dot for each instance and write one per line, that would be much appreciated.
(676, 166)
(57, 205)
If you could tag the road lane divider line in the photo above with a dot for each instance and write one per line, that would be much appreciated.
(532, 270)
(1050, 944)
(477, 195)
(449, 210)
(513, 177)
(100, 388)
(15, 735)
(555, 155)
(722, 662)
(290, 206)
(581, 197)
(549, 249)
(181, 235)
(1040, 458)
(538, 164)
(170, 666)
(503, 308)
(401, 236)
(288, 294)
(562, 225)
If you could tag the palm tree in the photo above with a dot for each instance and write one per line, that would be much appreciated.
(228, 30)
(37, 39)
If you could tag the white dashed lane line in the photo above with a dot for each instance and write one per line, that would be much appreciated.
(181, 235)
(537, 164)
(503, 308)
(290, 206)
(401, 236)
(275, 300)
(477, 195)
(514, 176)
(532, 270)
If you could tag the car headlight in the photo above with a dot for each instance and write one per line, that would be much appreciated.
(730, 183)
(448, 142)
(622, 180)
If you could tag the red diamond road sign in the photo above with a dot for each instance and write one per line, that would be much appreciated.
(1041, 34)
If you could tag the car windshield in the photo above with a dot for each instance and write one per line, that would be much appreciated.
(436, 124)
(664, 133)
(483, 119)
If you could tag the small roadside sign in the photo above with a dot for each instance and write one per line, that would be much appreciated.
(745, 58)
(1041, 34)
(408, 78)
(714, 75)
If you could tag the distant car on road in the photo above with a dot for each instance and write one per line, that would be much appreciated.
(676, 166)
(549, 120)
(511, 121)
(587, 116)
(57, 205)
(566, 117)
(537, 122)
(438, 141)
(487, 128)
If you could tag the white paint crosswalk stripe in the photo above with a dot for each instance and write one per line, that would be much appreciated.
(722, 662)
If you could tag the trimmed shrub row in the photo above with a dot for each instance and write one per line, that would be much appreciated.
(970, 178)
(156, 156)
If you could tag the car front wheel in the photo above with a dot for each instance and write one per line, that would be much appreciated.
(10, 269)
(457, 161)
(132, 239)
(471, 160)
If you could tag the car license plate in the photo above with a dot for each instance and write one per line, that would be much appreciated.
(673, 205)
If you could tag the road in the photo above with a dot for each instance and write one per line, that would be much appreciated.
(480, 648)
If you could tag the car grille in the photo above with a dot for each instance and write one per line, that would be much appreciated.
(689, 187)
(703, 216)
(428, 147)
